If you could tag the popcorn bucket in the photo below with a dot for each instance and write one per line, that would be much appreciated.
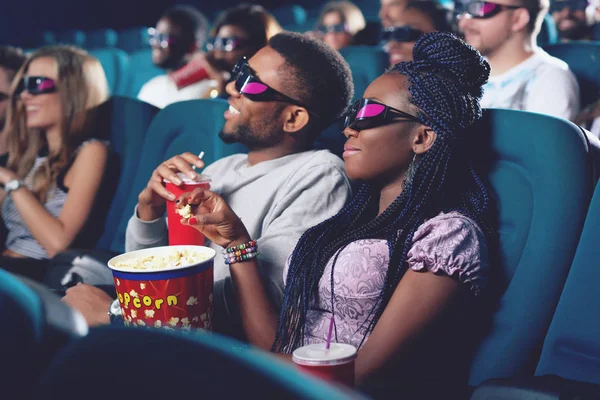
(166, 287)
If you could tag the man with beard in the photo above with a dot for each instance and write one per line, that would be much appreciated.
(280, 100)
(571, 19)
(177, 38)
(523, 76)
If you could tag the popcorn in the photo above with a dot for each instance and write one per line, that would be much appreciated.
(185, 212)
(133, 293)
(128, 318)
(192, 301)
(133, 314)
(175, 258)
(173, 321)
(149, 313)
(185, 321)
(118, 282)
(158, 324)
(168, 328)
(195, 319)
(141, 323)
(142, 286)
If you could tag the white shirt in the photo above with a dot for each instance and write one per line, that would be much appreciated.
(161, 91)
(542, 84)
(277, 200)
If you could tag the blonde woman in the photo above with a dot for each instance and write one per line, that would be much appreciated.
(54, 169)
(339, 22)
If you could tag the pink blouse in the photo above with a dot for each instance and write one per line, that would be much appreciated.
(449, 244)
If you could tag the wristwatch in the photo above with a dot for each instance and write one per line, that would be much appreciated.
(13, 185)
(115, 313)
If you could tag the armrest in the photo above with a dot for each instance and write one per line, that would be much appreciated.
(86, 266)
(547, 387)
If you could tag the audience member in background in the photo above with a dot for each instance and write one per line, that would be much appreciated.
(339, 23)
(11, 60)
(402, 30)
(238, 32)
(179, 35)
(571, 19)
(524, 77)
(280, 188)
(398, 270)
(390, 11)
(589, 118)
(55, 169)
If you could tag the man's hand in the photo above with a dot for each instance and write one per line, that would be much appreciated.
(90, 301)
(151, 201)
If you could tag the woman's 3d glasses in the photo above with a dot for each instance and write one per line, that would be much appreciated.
(227, 44)
(336, 28)
(367, 114)
(400, 34)
(36, 85)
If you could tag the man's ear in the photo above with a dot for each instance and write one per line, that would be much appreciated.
(423, 139)
(520, 19)
(295, 118)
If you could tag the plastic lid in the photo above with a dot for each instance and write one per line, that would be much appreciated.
(317, 354)
(188, 181)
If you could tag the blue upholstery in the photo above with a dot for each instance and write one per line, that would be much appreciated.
(367, 63)
(292, 14)
(549, 32)
(572, 345)
(74, 37)
(115, 63)
(141, 70)
(584, 60)
(539, 171)
(156, 364)
(101, 38)
(127, 122)
(133, 39)
(185, 126)
(21, 322)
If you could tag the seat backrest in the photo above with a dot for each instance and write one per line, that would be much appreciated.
(162, 363)
(366, 63)
(549, 32)
(126, 122)
(291, 14)
(115, 63)
(185, 126)
(539, 172)
(141, 70)
(101, 38)
(36, 324)
(572, 346)
(75, 37)
(133, 39)
(583, 59)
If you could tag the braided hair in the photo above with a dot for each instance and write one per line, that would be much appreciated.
(445, 82)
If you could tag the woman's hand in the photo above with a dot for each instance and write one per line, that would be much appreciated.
(214, 218)
(6, 175)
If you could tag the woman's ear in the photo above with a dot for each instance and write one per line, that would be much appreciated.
(424, 139)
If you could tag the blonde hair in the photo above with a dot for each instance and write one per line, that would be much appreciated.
(82, 86)
(350, 14)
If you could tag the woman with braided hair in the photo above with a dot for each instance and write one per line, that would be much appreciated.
(402, 265)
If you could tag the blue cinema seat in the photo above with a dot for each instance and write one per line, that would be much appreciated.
(539, 170)
(156, 364)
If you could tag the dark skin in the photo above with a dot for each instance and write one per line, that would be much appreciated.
(419, 299)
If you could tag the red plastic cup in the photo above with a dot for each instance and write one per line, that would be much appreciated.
(180, 234)
(333, 365)
(171, 297)
(194, 71)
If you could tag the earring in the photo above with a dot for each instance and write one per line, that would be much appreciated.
(411, 170)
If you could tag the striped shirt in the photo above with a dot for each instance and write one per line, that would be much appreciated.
(19, 239)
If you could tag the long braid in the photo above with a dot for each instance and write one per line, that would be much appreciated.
(445, 85)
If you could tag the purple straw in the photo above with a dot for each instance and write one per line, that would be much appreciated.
(329, 333)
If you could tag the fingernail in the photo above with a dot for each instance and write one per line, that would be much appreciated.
(193, 175)
(177, 180)
(189, 199)
(193, 221)
(171, 196)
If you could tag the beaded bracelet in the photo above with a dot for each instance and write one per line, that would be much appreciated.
(241, 252)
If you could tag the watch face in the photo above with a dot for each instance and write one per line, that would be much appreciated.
(12, 185)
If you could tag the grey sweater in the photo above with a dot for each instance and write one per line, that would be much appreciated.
(277, 201)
